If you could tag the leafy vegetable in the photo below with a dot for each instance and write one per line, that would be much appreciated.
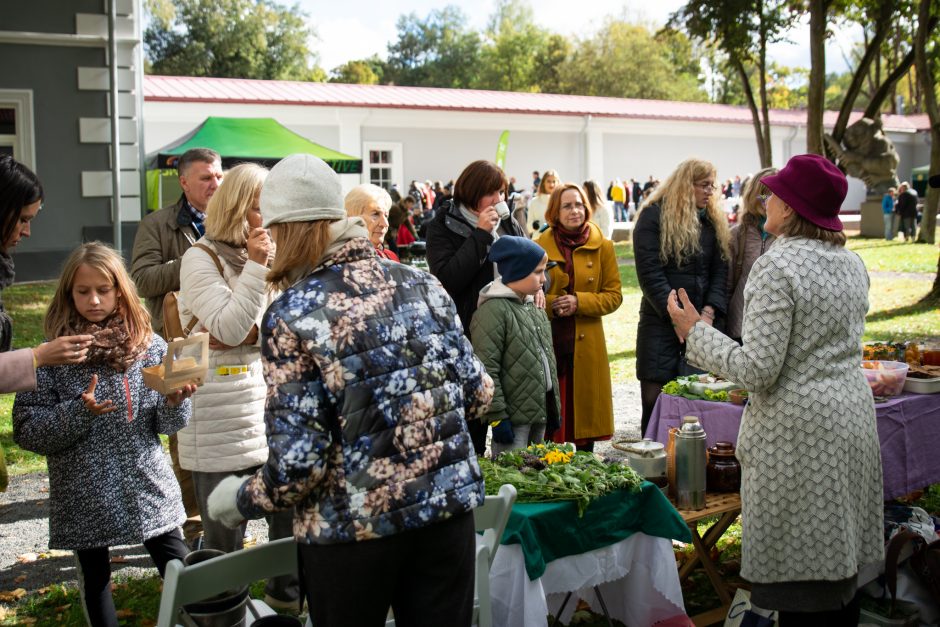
(555, 472)
(711, 395)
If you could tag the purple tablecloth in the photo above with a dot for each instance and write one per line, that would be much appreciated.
(908, 428)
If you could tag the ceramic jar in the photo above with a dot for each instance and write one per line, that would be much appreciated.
(723, 472)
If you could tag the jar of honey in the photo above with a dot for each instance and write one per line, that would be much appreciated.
(723, 472)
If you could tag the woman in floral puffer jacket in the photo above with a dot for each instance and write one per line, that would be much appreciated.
(371, 383)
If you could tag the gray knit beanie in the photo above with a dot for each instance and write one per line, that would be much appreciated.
(301, 188)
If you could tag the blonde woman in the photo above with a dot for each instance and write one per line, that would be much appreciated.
(226, 434)
(372, 204)
(749, 240)
(680, 241)
(539, 204)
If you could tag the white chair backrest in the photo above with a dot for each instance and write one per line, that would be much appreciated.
(492, 516)
(183, 585)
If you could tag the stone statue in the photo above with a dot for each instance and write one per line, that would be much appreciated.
(867, 154)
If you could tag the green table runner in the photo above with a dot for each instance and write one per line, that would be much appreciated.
(548, 531)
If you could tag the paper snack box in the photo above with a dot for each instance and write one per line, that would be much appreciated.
(178, 369)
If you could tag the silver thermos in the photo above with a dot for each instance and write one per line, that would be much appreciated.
(690, 464)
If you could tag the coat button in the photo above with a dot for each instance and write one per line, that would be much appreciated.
(590, 279)
(581, 337)
(590, 264)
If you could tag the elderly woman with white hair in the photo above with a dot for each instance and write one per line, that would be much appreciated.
(372, 204)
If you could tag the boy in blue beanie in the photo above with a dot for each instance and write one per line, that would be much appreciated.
(513, 339)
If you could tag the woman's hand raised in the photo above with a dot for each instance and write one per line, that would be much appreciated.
(68, 349)
(88, 397)
(683, 316)
(259, 245)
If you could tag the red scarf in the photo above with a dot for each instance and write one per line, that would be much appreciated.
(563, 328)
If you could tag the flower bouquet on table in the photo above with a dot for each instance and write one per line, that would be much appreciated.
(701, 387)
(556, 472)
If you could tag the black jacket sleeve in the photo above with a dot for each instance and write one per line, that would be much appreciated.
(454, 263)
(649, 268)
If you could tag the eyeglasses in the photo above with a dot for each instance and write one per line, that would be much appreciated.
(706, 187)
(569, 206)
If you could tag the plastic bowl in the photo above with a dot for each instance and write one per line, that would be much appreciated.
(886, 378)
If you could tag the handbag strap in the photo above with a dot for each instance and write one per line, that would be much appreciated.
(218, 264)
(900, 539)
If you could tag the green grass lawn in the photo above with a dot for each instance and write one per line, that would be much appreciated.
(897, 312)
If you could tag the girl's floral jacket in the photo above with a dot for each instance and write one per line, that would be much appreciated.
(371, 382)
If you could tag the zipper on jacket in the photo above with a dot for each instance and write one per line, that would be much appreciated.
(127, 396)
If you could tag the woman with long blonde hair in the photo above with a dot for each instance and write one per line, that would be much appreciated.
(97, 424)
(680, 240)
(222, 286)
(748, 241)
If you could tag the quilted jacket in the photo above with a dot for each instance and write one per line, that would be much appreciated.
(110, 482)
(226, 432)
(371, 384)
(513, 339)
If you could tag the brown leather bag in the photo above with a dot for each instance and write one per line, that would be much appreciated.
(172, 326)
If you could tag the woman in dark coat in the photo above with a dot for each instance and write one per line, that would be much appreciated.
(459, 240)
(680, 240)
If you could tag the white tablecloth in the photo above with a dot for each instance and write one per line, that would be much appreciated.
(637, 578)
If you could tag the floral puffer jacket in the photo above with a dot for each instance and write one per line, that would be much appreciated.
(371, 383)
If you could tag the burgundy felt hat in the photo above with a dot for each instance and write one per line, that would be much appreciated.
(813, 187)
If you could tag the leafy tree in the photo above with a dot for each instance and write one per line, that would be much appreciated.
(437, 51)
(550, 64)
(360, 71)
(513, 45)
(625, 60)
(229, 38)
(742, 30)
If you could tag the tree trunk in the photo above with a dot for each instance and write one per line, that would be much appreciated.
(762, 149)
(816, 96)
(889, 85)
(766, 158)
(872, 50)
(925, 76)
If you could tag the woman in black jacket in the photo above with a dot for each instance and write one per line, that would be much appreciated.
(680, 241)
(458, 241)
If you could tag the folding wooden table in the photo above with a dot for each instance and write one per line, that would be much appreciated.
(727, 506)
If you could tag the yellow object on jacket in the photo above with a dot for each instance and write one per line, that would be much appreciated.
(597, 286)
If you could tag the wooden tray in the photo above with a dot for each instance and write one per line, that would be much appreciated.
(175, 372)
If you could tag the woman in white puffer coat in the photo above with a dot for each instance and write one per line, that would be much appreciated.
(226, 435)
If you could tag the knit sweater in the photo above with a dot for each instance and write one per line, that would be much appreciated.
(811, 485)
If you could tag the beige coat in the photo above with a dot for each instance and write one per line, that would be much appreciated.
(597, 286)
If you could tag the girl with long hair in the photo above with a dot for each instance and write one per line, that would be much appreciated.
(680, 241)
(98, 425)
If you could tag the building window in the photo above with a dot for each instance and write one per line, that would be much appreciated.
(16, 126)
(384, 161)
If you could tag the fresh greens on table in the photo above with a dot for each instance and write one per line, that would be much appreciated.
(682, 386)
(556, 472)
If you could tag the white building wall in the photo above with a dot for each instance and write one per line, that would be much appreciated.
(437, 145)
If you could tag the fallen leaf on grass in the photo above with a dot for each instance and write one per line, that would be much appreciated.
(125, 614)
(8, 596)
(20, 579)
(148, 622)
(44, 591)
(54, 553)
(118, 559)
(4, 612)
(26, 558)
(26, 620)
(62, 608)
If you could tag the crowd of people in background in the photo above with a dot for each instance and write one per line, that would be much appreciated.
(901, 214)
(343, 383)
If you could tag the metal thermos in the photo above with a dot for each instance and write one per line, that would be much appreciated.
(690, 464)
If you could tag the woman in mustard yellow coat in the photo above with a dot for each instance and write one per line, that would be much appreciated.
(584, 286)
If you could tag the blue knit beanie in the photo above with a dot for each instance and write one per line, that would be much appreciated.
(515, 257)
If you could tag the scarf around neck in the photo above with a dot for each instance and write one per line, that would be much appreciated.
(234, 256)
(111, 345)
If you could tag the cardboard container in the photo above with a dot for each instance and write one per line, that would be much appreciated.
(175, 372)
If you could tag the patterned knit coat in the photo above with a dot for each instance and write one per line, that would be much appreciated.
(110, 482)
(811, 488)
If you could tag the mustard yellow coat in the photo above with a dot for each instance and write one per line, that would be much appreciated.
(597, 286)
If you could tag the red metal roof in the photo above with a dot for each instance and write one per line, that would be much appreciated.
(245, 91)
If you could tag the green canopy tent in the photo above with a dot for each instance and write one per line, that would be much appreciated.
(239, 140)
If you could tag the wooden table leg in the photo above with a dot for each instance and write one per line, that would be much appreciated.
(710, 569)
(712, 535)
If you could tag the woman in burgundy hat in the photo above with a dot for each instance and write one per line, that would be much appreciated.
(811, 486)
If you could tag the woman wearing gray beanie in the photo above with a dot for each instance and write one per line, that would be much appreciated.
(370, 384)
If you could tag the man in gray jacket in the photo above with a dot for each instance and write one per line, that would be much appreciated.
(162, 238)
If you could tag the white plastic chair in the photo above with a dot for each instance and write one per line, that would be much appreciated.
(491, 519)
(183, 585)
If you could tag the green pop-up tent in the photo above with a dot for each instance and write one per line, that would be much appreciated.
(919, 178)
(239, 140)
